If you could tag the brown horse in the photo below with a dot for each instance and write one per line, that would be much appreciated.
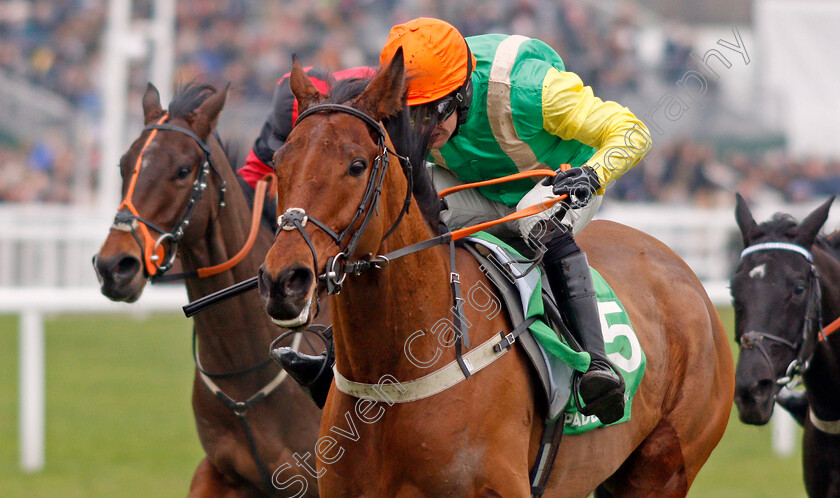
(480, 437)
(176, 179)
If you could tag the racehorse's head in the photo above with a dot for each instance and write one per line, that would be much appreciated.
(776, 294)
(169, 195)
(331, 172)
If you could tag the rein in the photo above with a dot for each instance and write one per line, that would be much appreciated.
(296, 218)
(155, 262)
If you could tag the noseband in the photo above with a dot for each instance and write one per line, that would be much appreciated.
(812, 323)
(295, 218)
(128, 219)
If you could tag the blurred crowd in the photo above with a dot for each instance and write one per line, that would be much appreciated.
(57, 45)
(687, 172)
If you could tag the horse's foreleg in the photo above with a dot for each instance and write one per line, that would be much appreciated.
(209, 482)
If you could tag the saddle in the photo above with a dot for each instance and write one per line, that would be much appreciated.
(551, 348)
(554, 376)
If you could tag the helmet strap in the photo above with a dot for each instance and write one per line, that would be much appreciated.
(465, 93)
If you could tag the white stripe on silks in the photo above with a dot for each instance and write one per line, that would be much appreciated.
(781, 246)
(438, 157)
(428, 385)
(828, 427)
(499, 105)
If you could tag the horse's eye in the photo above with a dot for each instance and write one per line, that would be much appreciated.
(357, 167)
(800, 288)
(183, 172)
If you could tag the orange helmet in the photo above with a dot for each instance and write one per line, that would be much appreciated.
(437, 58)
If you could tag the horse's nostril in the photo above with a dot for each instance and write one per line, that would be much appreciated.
(298, 281)
(127, 267)
(756, 391)
(264, 282)
(117, 269)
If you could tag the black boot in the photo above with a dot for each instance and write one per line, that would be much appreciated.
(313, 373)
(601, 388)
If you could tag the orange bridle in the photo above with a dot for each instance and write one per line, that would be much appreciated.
(154, 261)
(152, 251)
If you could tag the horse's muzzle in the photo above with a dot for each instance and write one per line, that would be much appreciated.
(755, 400)
(289, 298)
(117, 277)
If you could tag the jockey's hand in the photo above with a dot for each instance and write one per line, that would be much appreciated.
(580, 183)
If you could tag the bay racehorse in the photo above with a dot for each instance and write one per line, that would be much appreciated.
(181, 195)
(481, 436)
(785, 289)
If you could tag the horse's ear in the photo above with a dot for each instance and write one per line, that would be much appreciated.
(302, 88)
(206, 116)
(811, 225)
(151, 104)
(384, 96)
(745, 219)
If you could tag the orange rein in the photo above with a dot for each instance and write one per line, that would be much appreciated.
(522, 213)
(151, 258)
(259, 198)
(538, 208)
(829, 329)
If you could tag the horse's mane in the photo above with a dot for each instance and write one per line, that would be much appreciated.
(407, 142)
(187, 98)
(783, 226)
(780, 226)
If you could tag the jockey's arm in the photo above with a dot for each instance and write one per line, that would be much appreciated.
(572, 112)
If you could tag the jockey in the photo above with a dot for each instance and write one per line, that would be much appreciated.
(494, 105)
(278, 125)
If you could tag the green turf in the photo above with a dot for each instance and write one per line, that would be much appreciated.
(119, 421)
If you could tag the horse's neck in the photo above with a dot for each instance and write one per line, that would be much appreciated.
(829, 270)
(823, 377)
(378, 311)
(232, 334)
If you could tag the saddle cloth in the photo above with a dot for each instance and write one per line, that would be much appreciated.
(550, 352)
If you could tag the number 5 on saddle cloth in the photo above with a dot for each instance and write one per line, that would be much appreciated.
(556, 360)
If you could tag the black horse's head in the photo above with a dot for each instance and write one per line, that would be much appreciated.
(776, 294)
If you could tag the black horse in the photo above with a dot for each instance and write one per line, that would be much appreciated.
(785, 289)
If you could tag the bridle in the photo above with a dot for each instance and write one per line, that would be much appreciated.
(295, 218)
(335, 271)
(128, 218)
(810, 327)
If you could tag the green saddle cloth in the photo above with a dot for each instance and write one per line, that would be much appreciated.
(620, 341)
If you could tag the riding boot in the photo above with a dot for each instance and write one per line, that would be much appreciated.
(600, 387)
(313, 373)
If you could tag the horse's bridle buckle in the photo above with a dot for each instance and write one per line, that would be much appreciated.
(286, 221)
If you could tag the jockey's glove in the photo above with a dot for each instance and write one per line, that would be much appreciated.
(580, 184)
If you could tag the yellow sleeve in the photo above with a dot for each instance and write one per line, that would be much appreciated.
(571, 111)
